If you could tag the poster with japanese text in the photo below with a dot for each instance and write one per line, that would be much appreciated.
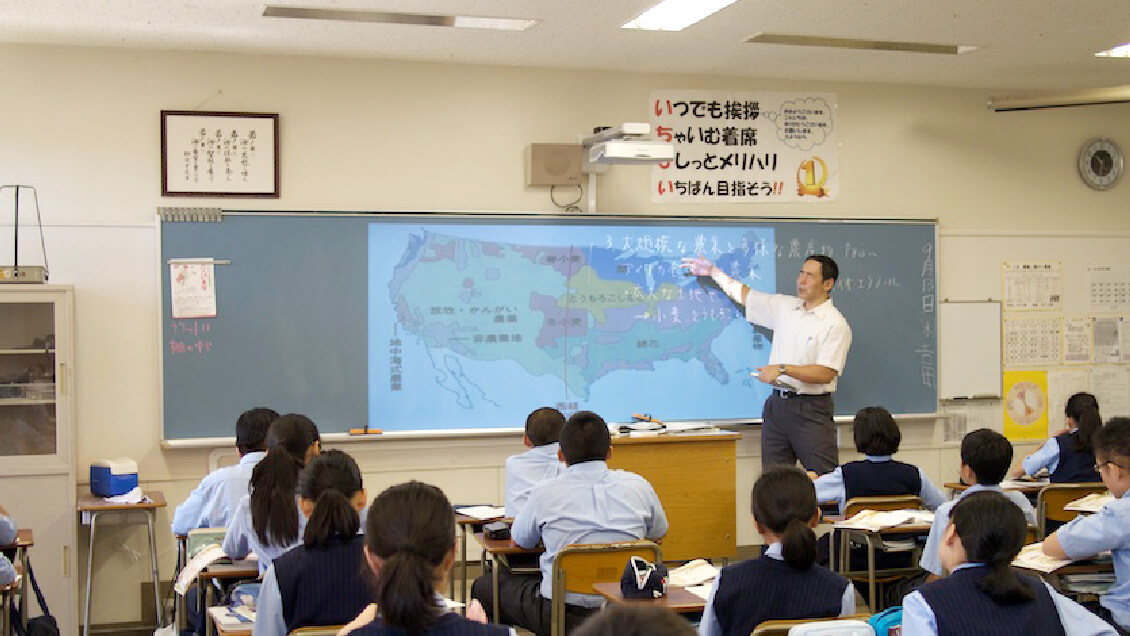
(745, 147)
(193, 288)
(1025, 405)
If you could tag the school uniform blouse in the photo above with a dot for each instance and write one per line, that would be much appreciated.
(213, 502)
(526, 469)
(830, 486)
(7, 536)
(241, 538)
(930, 561)
(710, 625)
(1048, 456)
(919, 618)
(1108, 529)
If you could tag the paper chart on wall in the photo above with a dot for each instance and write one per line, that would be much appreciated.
(1109, 288)
(192, 288)
(1111, 386)
(1032, 341)
(1111, 335)
(1077, 339)
(1031, 285)
(962, 416)
(1025, 405)
(1062, 384)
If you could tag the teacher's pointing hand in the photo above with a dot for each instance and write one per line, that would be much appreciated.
(698, 266)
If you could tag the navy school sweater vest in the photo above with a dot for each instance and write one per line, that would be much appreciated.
(765, 589)
(1074, 465)
(447, 625)
(324, 585)
(875, 479)
(960, 608)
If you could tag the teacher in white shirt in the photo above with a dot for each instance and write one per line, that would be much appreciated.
(810, 345)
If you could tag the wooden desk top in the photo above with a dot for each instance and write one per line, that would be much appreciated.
(24, 539)
(243, 629)
(678, 599)
(1029, 488)
(669, 438)
(242, 569)
(89, 502)
(465, 520)
(504, 546)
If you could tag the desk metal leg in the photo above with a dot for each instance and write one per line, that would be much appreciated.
(494, 565)
(206, 593)
(25, 587)
(463, 569)
(150, 516)
(89, 574)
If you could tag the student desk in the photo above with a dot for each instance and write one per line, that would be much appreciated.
(871, 539)
(234, 571)
(499, 550)
(95, 506)
(243, 629)
(695, 477)
(24, 540)
(678, 599)
(467, 525)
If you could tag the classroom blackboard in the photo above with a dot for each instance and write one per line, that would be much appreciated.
(448, 323)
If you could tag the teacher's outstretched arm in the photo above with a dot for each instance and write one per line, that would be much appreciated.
(699, 266)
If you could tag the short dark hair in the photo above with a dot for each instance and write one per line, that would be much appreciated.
(543, 426)
(251, 429)
(585, 438)
(622, 619)
(828, 267)
(875, 431)
(988, 454)
(1113, 439)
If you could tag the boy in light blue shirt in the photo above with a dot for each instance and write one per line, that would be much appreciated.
(985, 458)
(1109, 529)
(213, 502)
(543, 427)
(7, 537)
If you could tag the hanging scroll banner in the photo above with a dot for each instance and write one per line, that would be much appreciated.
(745, 147)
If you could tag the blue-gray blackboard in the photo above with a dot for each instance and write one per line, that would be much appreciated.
(457, 322)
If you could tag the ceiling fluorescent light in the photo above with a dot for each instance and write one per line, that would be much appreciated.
(1122, 50)
(1094, 97)
(675, 15)
(863, 45)
(382, 17)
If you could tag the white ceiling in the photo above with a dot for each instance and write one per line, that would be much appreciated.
(1027, 45)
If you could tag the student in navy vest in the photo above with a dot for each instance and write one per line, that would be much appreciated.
(320, 582)
(410, 548)
(1068, 455)
(983, 594)
(785, 582)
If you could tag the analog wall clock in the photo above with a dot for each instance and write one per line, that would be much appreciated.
(1100, 163)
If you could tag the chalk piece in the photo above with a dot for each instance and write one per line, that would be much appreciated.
(374, 431)
(356, 431)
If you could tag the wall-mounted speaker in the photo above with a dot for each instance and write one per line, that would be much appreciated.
(553, 164)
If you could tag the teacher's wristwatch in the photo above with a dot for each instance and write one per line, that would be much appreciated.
(781, 370)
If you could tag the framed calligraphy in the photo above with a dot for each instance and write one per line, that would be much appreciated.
(212, 154)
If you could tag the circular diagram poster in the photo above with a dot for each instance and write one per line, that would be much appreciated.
(1025, 405)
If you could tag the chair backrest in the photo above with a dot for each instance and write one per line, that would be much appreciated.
(852, 624)
(318, 630)
(576, 567)
(1053, 497)
(886, 502)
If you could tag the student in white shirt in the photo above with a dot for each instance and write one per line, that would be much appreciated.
(543, 427)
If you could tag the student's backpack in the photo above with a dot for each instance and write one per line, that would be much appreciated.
(44, 625)
(887, 622)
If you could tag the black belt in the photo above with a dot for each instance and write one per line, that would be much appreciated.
(788, 395)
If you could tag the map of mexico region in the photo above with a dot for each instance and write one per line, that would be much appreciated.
(474, 325)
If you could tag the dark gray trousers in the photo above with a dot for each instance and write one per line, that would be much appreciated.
(799, 427)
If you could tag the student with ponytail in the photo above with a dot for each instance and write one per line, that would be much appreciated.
(320, 582)
(267, 521)
(410, 548)
(983, 594)
(1069, 455)
(785, 582)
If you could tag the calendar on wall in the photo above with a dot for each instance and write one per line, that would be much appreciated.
(1109, 288)
(1032, 341)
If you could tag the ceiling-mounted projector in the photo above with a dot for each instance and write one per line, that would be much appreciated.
(621, 151)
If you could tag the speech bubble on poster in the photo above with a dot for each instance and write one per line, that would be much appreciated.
(803, 123)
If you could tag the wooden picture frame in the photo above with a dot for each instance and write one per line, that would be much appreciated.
(219, 154)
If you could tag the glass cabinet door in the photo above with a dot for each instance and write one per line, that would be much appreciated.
(28, 411)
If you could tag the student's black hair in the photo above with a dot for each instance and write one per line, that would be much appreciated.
(330, 480)
(543, 426)
(875, 431)
(585, 438)
(1113, 439)
(992, 531)
(623, 619)
(1083, 408)
(251, 429)
(784, 502)
(828, 268)
(988, 453)
(411, 527)
(274, 479)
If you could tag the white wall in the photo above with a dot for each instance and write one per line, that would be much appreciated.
(82, 125)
